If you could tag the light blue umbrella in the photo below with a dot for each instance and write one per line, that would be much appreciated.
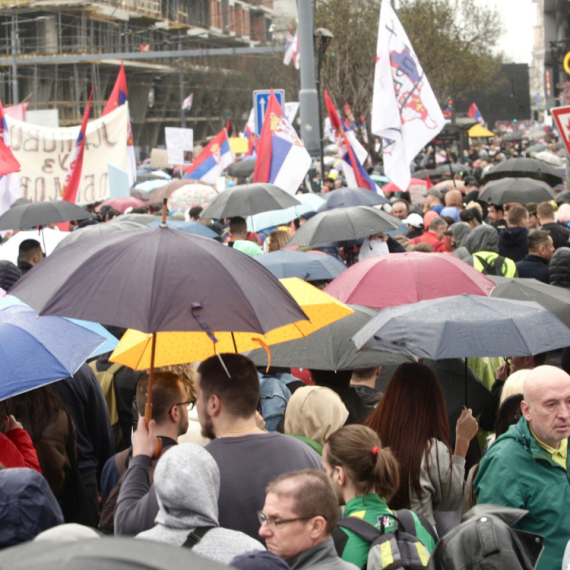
(464, 326)
(304, 265)
(190, 227)
(309, 203)
(150, 185)
(37, 351)
(109, 344)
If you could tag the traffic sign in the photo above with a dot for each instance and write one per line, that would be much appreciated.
(562, 117)
(260, 102)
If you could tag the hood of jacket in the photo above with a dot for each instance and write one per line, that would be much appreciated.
(187, 484)
(460, 231)
(559, 268)
(27, 506)
(513, 237)
(315, 412)
(483, 238)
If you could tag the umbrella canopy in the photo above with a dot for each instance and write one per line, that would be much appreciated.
(249, 199)
(309, 203)
(115, 225)
(464, 326)
(165, 190)
(157, 279)
(417, 181)
(49, 240)
(118, 553)
(379, 179)
(190, 227)
(304, 265)
(402, 278)
(524, 168)
(151, 185)
(343, 224)
(512, 137)
(191, 195)
(135, 347)
(539, 147)
(243, 168)
(522, 190)
(330, 348)
(36, 351)
(344, 197)
(154, 175)
(122, 203)
(550, 158)
(554, 299)
(446, 185)
(42, 214)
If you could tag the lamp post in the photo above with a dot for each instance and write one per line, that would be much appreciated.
(323, 38)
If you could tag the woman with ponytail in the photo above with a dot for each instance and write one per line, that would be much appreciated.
(365, 477)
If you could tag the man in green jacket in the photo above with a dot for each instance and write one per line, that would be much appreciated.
(527, 467)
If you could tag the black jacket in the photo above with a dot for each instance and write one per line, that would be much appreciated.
(513, 243)
(533, 266)
(560, 234)
(559, 268)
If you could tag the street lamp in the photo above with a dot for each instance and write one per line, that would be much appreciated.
(14, 47)
(323, 38)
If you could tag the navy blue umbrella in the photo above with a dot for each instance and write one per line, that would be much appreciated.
(305, 265)
(344, 197)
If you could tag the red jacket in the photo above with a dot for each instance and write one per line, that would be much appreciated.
(432, 239)
(17, 450)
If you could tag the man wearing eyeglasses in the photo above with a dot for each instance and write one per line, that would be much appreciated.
(298, 518)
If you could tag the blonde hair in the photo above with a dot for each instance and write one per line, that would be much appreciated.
(187, 375)
(281, 237)
(514, 384)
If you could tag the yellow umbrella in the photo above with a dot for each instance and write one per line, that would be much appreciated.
(135, 347)
(478, 131)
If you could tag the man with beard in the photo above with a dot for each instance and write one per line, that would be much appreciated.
(248, 457)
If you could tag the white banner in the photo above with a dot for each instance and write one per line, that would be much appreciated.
(45, 153)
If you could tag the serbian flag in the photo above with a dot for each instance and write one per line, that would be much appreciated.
(282, 159)
(353, 171)
(475, 114)
(118, 97)
(9, 183)
(17, 111)
(73, 178)
(250, 135)
(213, 160)
(405, 112)
(292, 49)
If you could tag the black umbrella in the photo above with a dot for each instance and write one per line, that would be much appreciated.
(242, 169)
(41, 214)
(524, 168)
(330, 348)
(249, 199)
(343, 224)
(118, 553)
(344, 197)
(554, 299)
(522, 190)
(513, 137)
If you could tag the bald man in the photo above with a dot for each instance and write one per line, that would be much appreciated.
(527, 467)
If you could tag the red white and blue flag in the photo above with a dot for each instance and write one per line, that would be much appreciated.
(213, 160)
(250, 135)
(475, 114)
(73, 178)
(292, 53)
(354, 173)
(119, 96)
(282, 159)
(9, 166)
(405, 112)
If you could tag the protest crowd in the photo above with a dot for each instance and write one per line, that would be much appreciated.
(361, 367)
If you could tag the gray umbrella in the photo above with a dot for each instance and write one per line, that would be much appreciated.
(554, 299)
(118, 553)
(522, 190)
(464, 326)
(249, 199)
(343, 224)
(98, 230)
(242, 169)
(344, 197)
(42, 214)
(329, 348)
(524, 168)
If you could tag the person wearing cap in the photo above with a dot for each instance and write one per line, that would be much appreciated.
(434, 235)
(533, 223)
(416, 224)
(434, 200)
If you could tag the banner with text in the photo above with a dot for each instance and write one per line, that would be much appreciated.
(45, 154)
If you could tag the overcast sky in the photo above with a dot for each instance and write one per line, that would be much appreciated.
(519, 17)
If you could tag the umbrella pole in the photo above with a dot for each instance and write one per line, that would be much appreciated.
(148, 405)
(466, 382)
(449, 164)
(164, 213)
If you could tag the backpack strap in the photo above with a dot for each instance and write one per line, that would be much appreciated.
(363, 529)
(486, 266)
(406, 520)
(196, 536)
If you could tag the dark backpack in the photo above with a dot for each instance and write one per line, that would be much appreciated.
(196, 536)
(399, 548)
(495, 269)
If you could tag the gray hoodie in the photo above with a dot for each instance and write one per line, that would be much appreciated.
(483, 238)
(187, 485)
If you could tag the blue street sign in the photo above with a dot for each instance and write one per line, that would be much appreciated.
(260, 102)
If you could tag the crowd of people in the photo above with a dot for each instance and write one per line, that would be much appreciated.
(281, 468)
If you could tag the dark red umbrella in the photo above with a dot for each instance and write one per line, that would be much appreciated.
(122, 204)
(403, 278)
